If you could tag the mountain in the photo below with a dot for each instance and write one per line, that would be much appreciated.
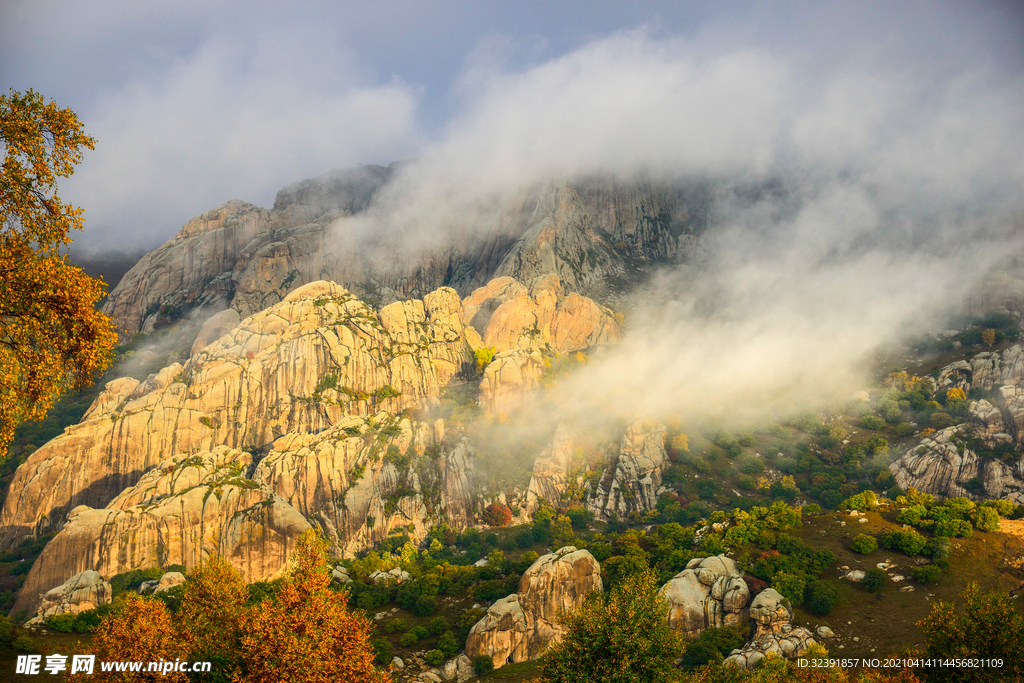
(249, 258)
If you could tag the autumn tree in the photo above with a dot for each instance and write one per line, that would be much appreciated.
(141, 631)
(52, 338)
(213, 608)
(307, 633)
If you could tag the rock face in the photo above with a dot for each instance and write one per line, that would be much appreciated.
(522, 626)
(248, 258)
(291, 418)
(523, 322)
(953, 461)
(550, 469)
(774, 635)
(709, 593)
(539, 316)
(83, 591)
(632, 482)
(296, 367)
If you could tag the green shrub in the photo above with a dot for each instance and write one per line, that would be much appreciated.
(864, 544)
(438, 625)
(791, 585)
(820, 597)
(483, 665)
(382, 652)
(986, 518)
(62, 623)
(874, 579)
(906, 541)
(926, 574)
(420, 632)
(448, 644)
(940, 420)
(408, 639)
(751, 466)
(872, 422)
(395, 626)
(580, 517)
(23, 643)
(937, 548)
(713, 645)
(877, 446)
(434, 658)
(903, 429)
(425, 606)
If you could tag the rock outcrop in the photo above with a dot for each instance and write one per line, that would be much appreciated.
(523, 625)
(539, 316)
(632, 483)
(774, 635)
(248, 258)
(981, 451)
(298, 366)
(550, 469)
(709, 593)
(178, 513)
(83, 591)
(165, 583)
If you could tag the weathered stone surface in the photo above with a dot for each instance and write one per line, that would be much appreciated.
(178, 513)
(296, 367)
(248, 258)
(550, 469)
(166, 582)
(83, 591)
(636, 475)
(538, 316)
(364, 478)
(709, 593)
(774, 635)
(509, 380)
(215, 327)
(523, 625)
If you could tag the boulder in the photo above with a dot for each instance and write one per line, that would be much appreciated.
(166, 582)
(709, 593)
(83, 591)
(523, 625)
(775, 635)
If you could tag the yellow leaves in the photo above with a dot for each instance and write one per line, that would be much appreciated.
(789, 483)
(42, 142)
(51, 336)
(956, 393)
(988, 337)
(681, 442)
(763, 483)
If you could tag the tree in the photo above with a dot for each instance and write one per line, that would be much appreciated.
(308, 633)
(621, 636)
(211, 615)
(51, 336)
(988, 626)
(142, 631)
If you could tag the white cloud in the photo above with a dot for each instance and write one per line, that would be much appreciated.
(239, 117)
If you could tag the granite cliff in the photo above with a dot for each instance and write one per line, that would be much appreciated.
(249, 258)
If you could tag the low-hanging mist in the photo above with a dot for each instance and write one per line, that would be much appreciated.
(852, 208)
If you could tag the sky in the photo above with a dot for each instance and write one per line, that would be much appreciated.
(196, 103)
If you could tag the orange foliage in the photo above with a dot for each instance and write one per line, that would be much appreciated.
(141, 632)
(213, 608)
(51, 336)
(308, 633)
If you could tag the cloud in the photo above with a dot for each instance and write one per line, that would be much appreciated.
(885, 192)
(240, 117)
